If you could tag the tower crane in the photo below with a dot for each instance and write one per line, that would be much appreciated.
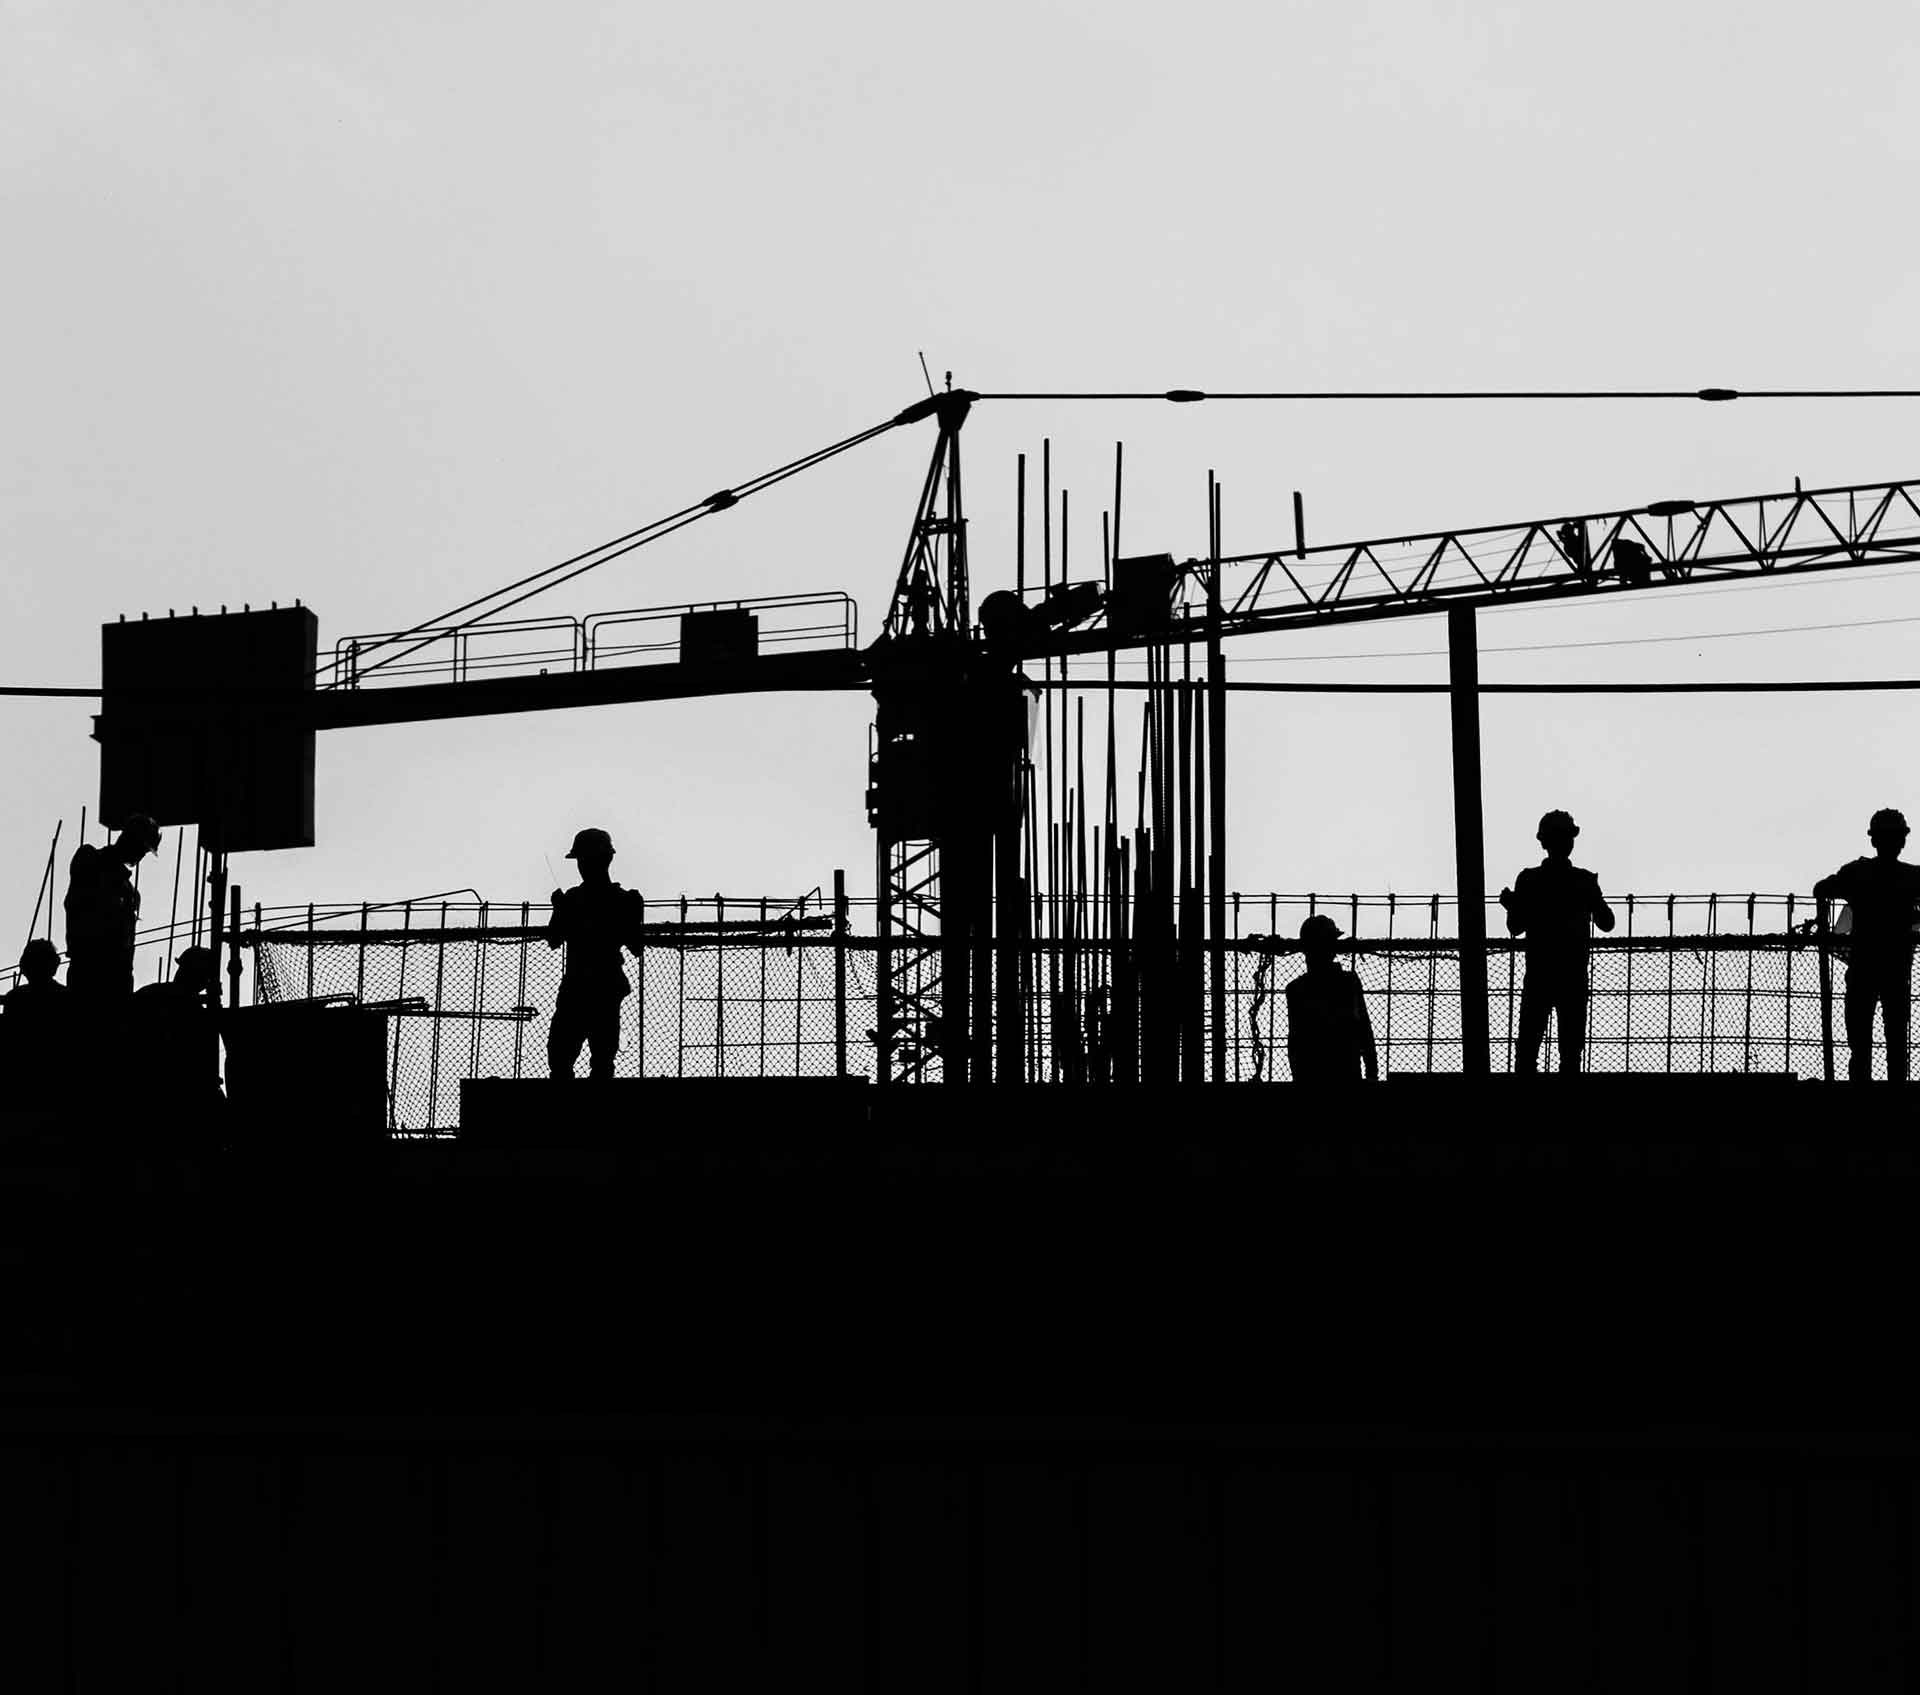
(949, 758)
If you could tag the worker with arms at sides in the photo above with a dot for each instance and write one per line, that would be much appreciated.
(1883, 892)
(1553, 904)
(593, 921)
(1329, 1035)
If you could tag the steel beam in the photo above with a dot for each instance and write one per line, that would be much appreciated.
(1469, 846)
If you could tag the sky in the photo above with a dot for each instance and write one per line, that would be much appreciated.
(380, 306)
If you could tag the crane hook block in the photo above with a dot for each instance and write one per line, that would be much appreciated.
(1183, 396)
(721, 501)
(1719, 394)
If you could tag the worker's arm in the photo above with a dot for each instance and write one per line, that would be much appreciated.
(1599, 911)
(1368, 1057)
(556, 923)
(1828, 888)
(1515, 909)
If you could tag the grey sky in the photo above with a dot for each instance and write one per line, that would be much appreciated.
(381, 306)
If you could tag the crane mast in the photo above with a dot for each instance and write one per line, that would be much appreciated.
(946, 797)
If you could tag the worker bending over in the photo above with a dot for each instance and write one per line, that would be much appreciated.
(103, 911)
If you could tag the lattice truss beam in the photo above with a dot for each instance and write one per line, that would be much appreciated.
(1668, 543)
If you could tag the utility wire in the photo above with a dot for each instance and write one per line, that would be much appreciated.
(1188, 396)
(1557, 647)
(1849, 686)
(1394, 653)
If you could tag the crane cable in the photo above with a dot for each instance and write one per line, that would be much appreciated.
(552, 576)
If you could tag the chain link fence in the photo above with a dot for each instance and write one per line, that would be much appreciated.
(750, 987)
(743, 988)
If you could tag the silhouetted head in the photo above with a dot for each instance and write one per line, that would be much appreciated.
(139, 836)
(1556, 833)
(194, 969)
(1887, 830)
(591, 848)
(1319, 935)
(39, 960)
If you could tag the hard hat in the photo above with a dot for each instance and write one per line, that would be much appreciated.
(1888, 817)
(142, 828)
(194, 962)
(1319, 928)
(1558, 820)
(592, 844)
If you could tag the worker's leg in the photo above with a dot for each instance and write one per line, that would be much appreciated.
(1570, 1004)
(1862, 992)
(564, 1037)
(1896, 1008)
(1536, 1000)
(603, 1039)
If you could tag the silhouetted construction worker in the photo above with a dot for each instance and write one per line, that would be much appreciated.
(36, 1025)
(1552, 904)
(593, 922)
(1329, 1035)
(172, 1036)
(37, 990)
(195, 972)
(103, 910)
(1882, 892)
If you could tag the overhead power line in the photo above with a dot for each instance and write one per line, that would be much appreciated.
(1845, 686)
(1189, 396)
(1560, 647)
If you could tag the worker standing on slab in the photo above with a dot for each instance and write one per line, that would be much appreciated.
(103, 911)
(593, 922)
(1883, 894)
(1553, 904)
(1329, 1034)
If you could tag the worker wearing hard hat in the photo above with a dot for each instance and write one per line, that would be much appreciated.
(103, 910)
(593, 922)
(1884, 896)
(1329, 1035)
(1554, 904)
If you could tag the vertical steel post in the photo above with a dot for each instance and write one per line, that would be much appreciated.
(216, 913)
(233, 945)
(520, 989)
(1469, 846)
(1217, 803)
(1826, 989)
(840, 973)
(1786, 1063)
(439, 1000)
(719, 985)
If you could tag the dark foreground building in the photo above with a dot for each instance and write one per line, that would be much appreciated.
(728, 1385)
